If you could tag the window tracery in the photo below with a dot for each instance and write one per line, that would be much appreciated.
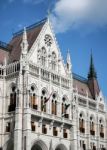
(42, 56)
(48, 40)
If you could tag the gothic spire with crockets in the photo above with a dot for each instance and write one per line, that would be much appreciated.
(92, 73)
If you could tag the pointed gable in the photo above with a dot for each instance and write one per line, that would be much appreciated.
(32, 33)
(46, 37)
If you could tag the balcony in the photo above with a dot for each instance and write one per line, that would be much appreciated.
(51, 117)
(48, 75)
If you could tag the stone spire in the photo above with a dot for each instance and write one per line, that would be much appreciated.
(92, 72)
(68, 62)
(92, 80)
(24, 44)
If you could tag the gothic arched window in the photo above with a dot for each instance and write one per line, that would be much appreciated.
(43, 100)
(92, 126)
(101, 128)
(12, 105)
(53, 61)
(33, 98)
(43, 56)
(65, 107)
(81, 123)
(54, 104)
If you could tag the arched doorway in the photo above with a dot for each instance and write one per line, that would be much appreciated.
(61, 147)
(9, 145)
(39, 145)
(36, 147)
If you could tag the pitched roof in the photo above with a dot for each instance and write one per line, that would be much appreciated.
(32, 33)
(82, 85)
(4, 51)
(3, 54)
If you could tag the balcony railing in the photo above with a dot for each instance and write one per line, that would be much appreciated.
(48, 75)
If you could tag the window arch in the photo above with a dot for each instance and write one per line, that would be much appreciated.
(12, 105)
(81, 123)
(64, 107)
(101, 128)
(43, 100)
(33, 98)
(42, 56)
(54, 104)
(92, 126)
(53, 61)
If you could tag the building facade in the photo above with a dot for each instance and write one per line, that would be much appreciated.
(43, 104)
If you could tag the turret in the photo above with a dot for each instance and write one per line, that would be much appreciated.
(92, 79)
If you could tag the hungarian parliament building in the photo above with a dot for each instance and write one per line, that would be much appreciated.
(43, 104)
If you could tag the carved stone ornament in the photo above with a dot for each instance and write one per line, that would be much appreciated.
(48, 40)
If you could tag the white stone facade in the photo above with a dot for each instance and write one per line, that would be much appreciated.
(39, 107)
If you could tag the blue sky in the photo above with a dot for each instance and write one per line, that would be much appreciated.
(79, 27)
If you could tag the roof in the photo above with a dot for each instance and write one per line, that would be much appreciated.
(82, 85)
(32, 33)
(3, 54)
(4, 51)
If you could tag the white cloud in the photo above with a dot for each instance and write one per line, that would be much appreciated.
(74, 14)
(33, 1)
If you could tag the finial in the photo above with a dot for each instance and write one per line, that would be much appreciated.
(24, 43)
(68, 56)
(68, 62)
(48, 11)
(92, 72)
(24, 34)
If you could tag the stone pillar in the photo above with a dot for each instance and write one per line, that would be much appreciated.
(18, 130)
(74, 138)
